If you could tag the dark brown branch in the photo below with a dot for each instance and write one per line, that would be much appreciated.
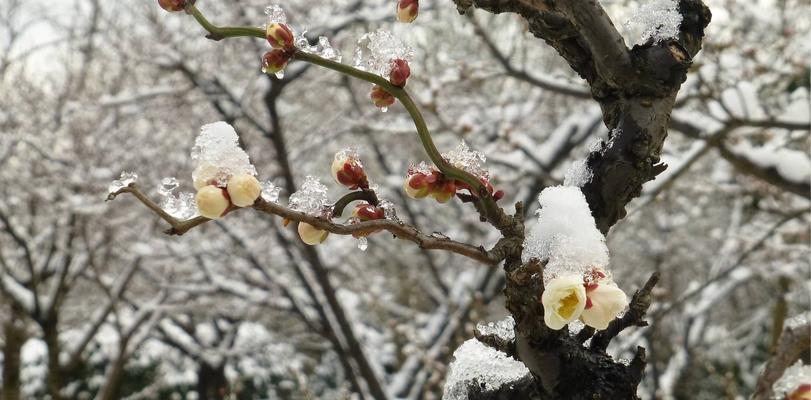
(397, 228)
(635, 316)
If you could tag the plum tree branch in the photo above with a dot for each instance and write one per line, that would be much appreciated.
(490, 210)
(398, 229)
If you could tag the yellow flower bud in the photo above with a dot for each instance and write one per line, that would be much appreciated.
(563, 299)
(310, 234)
(212, 202)
(244, 189)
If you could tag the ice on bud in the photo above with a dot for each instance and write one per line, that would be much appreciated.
(310, 234)
(218, 157)
(279, 36)
(368, 212)
(347, 169)
(270, 192)
(275, 14)
(173, 5)
(399, 73)
(381, 98)
(388, 209)
(124, 180)
(407, 10)
(212, 201)
(376, 50)
(471, 161)
(274, 61)
(310, 198)
(243, 189)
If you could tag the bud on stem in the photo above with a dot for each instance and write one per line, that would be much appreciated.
(407, 10)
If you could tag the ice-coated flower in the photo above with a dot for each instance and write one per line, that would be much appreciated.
(347, 170)
(174, 5)
(243, 189)
(407, 10)
(310, 234)
(368, 212)
(416, 185)
(563, 299)
(212, 202)
(380, 97)
(604, 301)
(400, 71)
(275, 61)
(802, 392)
(279, 36)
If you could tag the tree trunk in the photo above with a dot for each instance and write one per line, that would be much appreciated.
(55, 380)
(113, 378)
(15, 336)
(211, 382)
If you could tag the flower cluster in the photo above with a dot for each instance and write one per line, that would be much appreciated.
(424, 181)
(214, 201)
(594, 298)
(282, 40)
(398, 75)
(348, 171)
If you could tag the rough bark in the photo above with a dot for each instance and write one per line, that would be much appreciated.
(15, 336)
(636, 90)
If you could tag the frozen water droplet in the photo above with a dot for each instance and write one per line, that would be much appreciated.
(124, 180)
(310, 198)
(471, 161)
(280, 74)
(218, 156)
(384, 109)
(275, 14)
(325, 50)
(376, 50)
(181, 207)
(168, 186)
(388, 209)
(363, 243)
(270, 192)
(303, 44)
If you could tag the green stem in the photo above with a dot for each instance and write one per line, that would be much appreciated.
(218, 33)
(489, 205)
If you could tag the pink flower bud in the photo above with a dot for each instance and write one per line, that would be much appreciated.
(802, 392)
(407, 10)
(368, 212)
(310, 234)
(399, 72)
(173, 5)
(279, 36)
(243, 189)
(347, 170)
(212, 202)
(275, 61)
(381, 98)
(416, 186)
(444, 192)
